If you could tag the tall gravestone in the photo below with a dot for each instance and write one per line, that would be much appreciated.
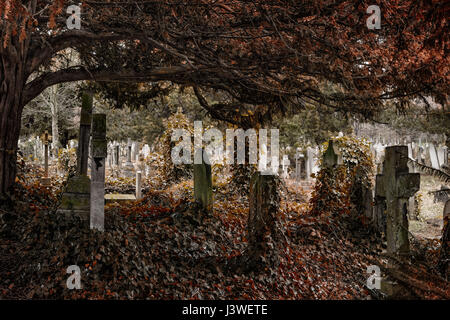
(76, 198)
(396, 185)
(99, 152)
(434, 157)
(203, 183)
(45, 181)
(117, 155)
(129, 167)
(309, 162)
(444, 259)
(138, 185)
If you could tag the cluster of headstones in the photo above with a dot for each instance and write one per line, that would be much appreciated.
(128, 158)
(424, 153)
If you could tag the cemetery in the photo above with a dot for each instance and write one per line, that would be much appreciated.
(308, 179)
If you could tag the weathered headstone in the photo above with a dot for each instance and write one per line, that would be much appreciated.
(444, 259)
(138, 185)
(264, 201)
(443, 156)
(309, 162)
(332, 156)
(129, 146)
(84, 134)
(99, 152)
(45, 181)
(434, 157)
(397, 185)
(76, 198)
(285, 164)
(203, 183)
(117, 155)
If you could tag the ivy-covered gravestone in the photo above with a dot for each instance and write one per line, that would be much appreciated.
(203, 182)
(264, 202)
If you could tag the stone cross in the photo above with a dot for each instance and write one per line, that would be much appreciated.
(396, 185)
(76, 198)
(203, 183)
(99, 152)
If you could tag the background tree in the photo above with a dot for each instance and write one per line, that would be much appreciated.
(273, 55)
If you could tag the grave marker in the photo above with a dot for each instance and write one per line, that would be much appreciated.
(45, 181)
(138, 185)
(203, 183)
(99, 152)
(396, 185)
(76, 199)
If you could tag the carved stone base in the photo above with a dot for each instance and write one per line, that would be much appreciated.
(76, 199)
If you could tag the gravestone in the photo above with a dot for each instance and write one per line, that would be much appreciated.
(264, 202)
(138, 185)
(129, 146)
(332, 156)
(203, 183)
(133, 151)
(309, 162)
(45, 180)
(396, 185)
(444, 258)
(285, 165)
(75, 199)
(299, 163)
(129, 167)
(117, 155)
(434, 157)
(443, 156)
(99, 152)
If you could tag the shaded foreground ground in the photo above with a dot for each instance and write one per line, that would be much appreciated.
(162, 248)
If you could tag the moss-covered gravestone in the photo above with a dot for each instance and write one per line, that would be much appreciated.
(332, 157)
(75, 199)
(203, 183)
(264, 201)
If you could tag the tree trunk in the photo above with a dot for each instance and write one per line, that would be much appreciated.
(10, 114)
(54, 111)
(12, 81)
